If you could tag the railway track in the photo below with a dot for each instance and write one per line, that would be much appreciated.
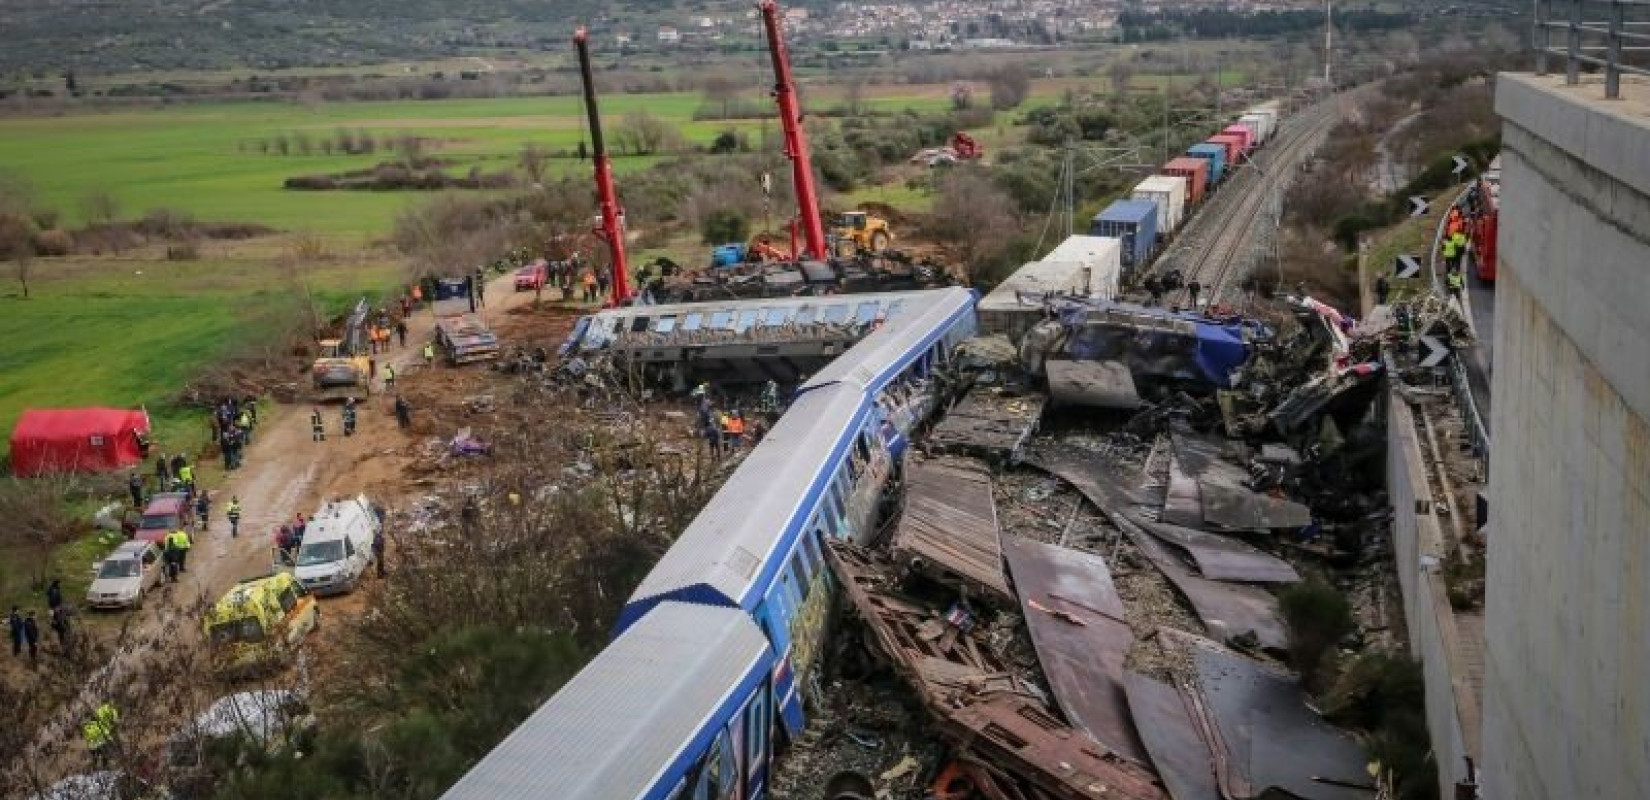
(1217, 251)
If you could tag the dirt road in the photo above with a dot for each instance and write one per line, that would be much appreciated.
(283, 474)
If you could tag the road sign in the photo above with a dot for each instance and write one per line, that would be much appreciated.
(1436, 351)
(1420, 206)
(1461, 164)
(1407, 267)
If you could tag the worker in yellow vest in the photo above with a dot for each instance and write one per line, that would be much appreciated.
(99, 732)
(177, 547)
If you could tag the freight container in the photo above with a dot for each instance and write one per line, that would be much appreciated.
(1089, 266)
(1262, 122)
(1169, 193)
(1215, 154)
(1233, 145)
(1134, 222)
(1273, 110)
(1196, 173)
(1244, 132)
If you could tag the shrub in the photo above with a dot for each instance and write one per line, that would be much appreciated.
(55, 242)
(185, 251)
(722, 226)
(1317, 616)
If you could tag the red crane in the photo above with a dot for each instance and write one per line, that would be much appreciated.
(796, 140)
(612, 229)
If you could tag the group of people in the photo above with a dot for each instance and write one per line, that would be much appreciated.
(24, 626)
(378, 333)
(348, 416)
(728, 429)
(1455, 246)
(232, 422)
(1156, 287)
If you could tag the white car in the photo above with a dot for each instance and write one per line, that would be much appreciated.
(121, 580)
(337, 547)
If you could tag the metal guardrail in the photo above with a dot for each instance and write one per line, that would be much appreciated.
(1612, 36)
(1471, 417)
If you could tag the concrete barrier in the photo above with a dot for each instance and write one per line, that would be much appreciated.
(1420, 548)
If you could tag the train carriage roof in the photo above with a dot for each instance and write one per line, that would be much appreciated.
(875, 358)
(624, 722)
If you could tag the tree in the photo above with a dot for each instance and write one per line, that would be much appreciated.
(1010, 84)
(976, 218)
(1121, 75)
(1317, 617)
(643, 134)
(853, 97)
(962, 96)
(533, 161)
(722, 90)
(17, 226)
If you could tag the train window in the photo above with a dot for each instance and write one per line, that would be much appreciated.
(895, 307)
(665, 325)
(714, 780)
(799, 574)
(756, 729)
(721, 320)
(776, 316)
(639, 324)
(866, 312)
(793, 589)
(746, 320)
(680, 792)
(692, 322)
(805, 315)
(862, 448)
(836, 314)
(810, 547)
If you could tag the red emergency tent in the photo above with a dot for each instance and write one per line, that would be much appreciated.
(77, 440)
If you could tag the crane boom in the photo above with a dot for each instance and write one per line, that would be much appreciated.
(611, 231)
(796, 139)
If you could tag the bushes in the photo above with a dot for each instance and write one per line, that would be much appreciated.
(1385, 694)
(53, 243)
(722, 226)
(1317, 617)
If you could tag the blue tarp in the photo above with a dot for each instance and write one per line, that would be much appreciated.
(1220, 349)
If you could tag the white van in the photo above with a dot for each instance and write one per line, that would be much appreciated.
(337, 546)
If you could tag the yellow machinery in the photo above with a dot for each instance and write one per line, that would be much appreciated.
(342, 370)
(857, 232)
(259, 623)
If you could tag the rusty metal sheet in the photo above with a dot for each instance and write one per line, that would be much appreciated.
(1090, 475)
(1078, 626)
(990, 424)
(1205, 491)
(1183, 504)
(1238, 508)
(1092, 384)
(982, 707)
(1229, 610)
(1222, 558)
(1172, 737)
(948, 528)
(1272, 739)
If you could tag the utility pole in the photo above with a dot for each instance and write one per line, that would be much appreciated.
(1328, 41)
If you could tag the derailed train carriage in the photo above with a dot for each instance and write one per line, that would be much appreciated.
(715, 649)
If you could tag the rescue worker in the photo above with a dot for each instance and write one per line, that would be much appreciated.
(203, 509)
(403, 413)
(389, 377)
(769, 403)
(1192, 290)
(429, 354)
(99, 732)
(317, 428)
(1456, 281)
(401, 330)
(1383, 289)
(589, 281)
(134, 484)
(233, 513)
(186, 476)
(349, 416)
(244, 422)
(173, 554)
(736, 429)
(1154, 287)
(1461, 242)
(1450, 252)
(163, 474)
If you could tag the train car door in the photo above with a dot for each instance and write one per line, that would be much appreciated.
(757, 720)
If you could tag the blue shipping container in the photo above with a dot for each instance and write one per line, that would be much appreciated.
(1216, 156)
(1134, 222)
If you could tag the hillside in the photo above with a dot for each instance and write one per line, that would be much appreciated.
(140, 35)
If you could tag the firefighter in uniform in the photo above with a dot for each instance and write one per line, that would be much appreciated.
(317, 428)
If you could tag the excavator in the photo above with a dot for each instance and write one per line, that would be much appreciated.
(342, 370)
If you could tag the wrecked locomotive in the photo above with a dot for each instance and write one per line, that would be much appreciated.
(659, 714)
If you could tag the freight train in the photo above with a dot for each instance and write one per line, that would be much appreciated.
(1157, 206)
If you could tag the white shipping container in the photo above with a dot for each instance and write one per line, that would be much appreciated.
(1169, 193)
(1088, 266)
(1256, 123)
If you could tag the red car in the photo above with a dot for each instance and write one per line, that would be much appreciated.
(532, 277)
(166, 512)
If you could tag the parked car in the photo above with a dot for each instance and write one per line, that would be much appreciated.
(337, 546)
(259, 623)
(121, 580)
(532, 277)
(166, 512)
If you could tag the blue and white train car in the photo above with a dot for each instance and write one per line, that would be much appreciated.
(758, 544)
(677, 708)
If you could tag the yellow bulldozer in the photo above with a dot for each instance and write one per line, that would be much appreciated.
(343, 370)
(858, 232)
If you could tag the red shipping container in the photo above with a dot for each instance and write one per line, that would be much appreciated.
(1234, 148)
(1243, 132)
(1196, 173)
